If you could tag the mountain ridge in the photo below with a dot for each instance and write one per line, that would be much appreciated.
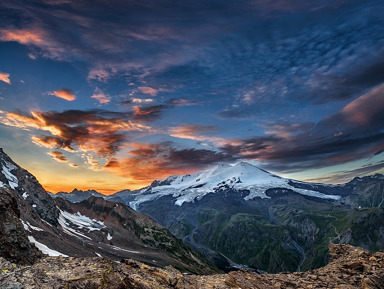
(97, 227)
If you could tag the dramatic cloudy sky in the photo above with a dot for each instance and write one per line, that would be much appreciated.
(112, 94)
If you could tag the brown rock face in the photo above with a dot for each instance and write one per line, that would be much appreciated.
(350, 267)
(14, 243)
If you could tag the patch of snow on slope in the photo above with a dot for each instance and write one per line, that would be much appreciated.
(1, 184)
(242, 176)
(27, 226)
(25, 195)
(68, 230)
(47, 223)
(6, 171)
(81, 222)
(109, 237)
(121, 249)
(43, 248)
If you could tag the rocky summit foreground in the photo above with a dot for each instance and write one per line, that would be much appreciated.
(350, 267)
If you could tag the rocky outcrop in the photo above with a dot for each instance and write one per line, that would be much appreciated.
(350, 267)
(366, 192)
(14, 243)
(31, 197)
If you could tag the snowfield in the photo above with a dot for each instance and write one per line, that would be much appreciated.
(43, 248)
(242, 176)
(6, 171)
(80, 222)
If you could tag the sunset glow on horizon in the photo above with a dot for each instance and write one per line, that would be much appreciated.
(112, 95)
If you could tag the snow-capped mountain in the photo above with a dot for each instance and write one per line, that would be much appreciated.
(240, 177)
(256, 218)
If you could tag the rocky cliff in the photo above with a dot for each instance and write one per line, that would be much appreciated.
(14, 243)
(350, 267)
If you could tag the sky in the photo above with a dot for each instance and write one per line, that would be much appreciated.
(112, 94)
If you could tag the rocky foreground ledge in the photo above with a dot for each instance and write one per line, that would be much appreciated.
(349, 267)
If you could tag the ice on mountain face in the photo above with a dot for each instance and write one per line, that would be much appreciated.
(121, 249)
(68, 230)
(81, 222)
(242, 176)
(27, 226)
(6, 171)
(1, 184)
(43, 248)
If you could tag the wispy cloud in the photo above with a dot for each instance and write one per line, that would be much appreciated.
(23, 36)
(146, 162)
(101, 97)
(36, 36)
(148, 90)
(64, 93)
(201, 133)
(191, 130)
(141, 100)
(353, 133)
(58, 156)
(5, 77)
(148, 113)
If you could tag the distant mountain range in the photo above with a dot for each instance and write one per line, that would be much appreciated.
(91, 227)
(241, 214)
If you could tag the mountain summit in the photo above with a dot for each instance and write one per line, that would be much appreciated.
(242, 176)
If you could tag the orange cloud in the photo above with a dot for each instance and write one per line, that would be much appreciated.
(58, 156)
(362, 110)
(148, 113)
(64, 93)
(26, 122)
(146, 162)
(35, 36)
(286, 130)
(101, 98)
(5, 77)
(143, 165)
(23, 36)
(198, 133)
(190, 131)
(148, 90)
(94, 133)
